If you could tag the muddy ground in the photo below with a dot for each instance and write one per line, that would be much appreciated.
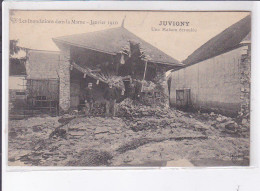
(149, 137)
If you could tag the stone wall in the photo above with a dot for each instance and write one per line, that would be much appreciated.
(64, 74)
(162, 86)
(215, 83)
(245, 71)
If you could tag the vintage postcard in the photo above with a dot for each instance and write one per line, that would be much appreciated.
(129, 88)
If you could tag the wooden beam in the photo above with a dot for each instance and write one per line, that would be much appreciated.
(88, 72)
(126, 77)
(96, 70)
(145, 68)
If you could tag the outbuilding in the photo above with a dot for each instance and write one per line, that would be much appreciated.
(216, 76)
(42, 80)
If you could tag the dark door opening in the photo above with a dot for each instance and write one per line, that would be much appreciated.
(183, 99)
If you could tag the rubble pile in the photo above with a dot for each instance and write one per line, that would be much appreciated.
(131, 108)
(150, 123)
(140, 117)
(224, 124)
(146, 85)
(116, 81)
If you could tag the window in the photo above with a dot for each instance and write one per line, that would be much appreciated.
(183, 97)
(179, 95)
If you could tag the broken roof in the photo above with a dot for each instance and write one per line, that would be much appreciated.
(223, 42)
(112, 41)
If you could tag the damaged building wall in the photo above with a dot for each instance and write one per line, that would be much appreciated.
(162, 86)
(245, 75)
(215, 83)
(64, 74)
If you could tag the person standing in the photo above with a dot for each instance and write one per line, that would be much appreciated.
(110, 96)
(89, 99)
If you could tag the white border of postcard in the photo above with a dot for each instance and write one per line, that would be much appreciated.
(45, 178)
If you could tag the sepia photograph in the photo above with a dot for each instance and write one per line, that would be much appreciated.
(129, 88)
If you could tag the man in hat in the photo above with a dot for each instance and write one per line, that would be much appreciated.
(110, 96)
(89, 99)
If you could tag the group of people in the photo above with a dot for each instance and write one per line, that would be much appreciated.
(110, 96)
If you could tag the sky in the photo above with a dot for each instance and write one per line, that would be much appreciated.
(178, 41)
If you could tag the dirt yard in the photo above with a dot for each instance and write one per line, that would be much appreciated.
(149, 137)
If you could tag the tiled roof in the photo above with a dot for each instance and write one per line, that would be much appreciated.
(112, 41)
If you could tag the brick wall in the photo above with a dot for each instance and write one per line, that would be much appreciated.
(215, 83)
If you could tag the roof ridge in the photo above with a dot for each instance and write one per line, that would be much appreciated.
(206, 50)
(113, 40)
(87, 32)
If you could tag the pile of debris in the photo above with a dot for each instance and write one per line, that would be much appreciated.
(151, 124)
(116, 81)
(132, 108)
(140, 117)
(224, 124)
(147, 86)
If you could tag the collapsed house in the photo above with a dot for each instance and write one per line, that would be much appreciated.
(114, 55)
(216, 76)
